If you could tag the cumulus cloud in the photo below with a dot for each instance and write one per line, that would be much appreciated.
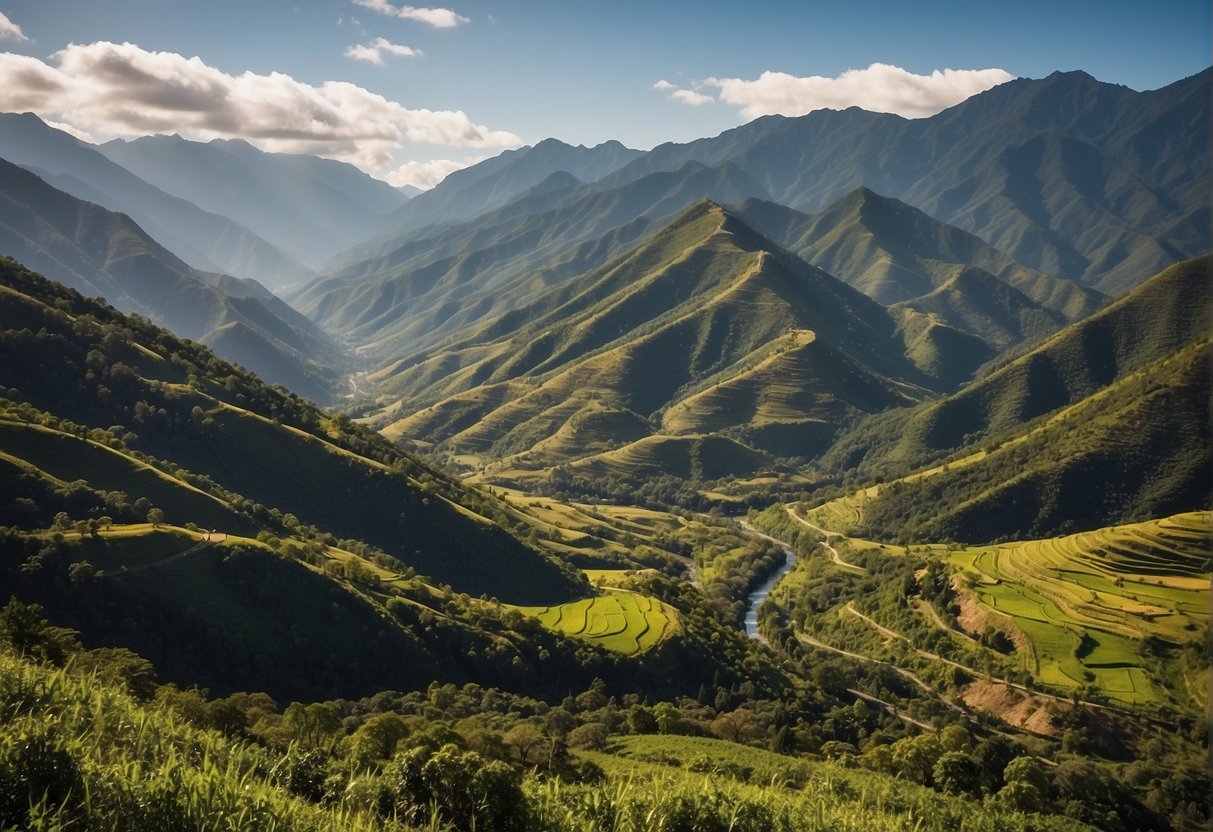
(439, 18)
(881, 88)
(10, 30)
(373, 51)
(686, 96)
(426, 175)
(123, 90)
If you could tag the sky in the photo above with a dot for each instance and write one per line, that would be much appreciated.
(409, 93)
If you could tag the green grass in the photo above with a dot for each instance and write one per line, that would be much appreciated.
(673, 749)
(76, 753)
(135, 546)
(1084, 602)
(622, 622)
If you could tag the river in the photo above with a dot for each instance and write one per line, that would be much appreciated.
(760, 594)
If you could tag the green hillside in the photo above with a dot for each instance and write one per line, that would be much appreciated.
(181, 761)
(437, 283)
(1135, 450)
(705, 327)
(894, 252)
(158, 498)
(1163, 315)
(974, 301)
(271, 448)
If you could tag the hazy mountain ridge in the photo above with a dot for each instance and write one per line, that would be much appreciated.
(102, 253)
(431, 288)
(305, 205)
(491, 184)
(1068, 175)
(205, 240)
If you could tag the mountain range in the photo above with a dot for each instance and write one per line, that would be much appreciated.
(105, 254)
(938, 389)
(310, 207)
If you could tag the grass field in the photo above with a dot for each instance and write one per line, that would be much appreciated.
(677, 750)
(1085, 602)
(619, 621)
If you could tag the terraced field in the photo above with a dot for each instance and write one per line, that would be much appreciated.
(1085, 602)
(620, 621)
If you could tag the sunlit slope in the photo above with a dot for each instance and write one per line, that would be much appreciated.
(894, 252)
(441, 282)
(1085, 602)
(1134, 450)
(1164, 314)
(706, 308)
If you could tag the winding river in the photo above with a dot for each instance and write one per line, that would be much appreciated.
(760, 594)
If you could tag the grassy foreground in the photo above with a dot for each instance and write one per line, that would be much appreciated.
(76, 753)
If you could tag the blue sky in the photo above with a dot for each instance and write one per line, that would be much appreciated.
(585, 72)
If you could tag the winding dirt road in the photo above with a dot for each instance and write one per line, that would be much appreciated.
(207, 539)
(834, 556)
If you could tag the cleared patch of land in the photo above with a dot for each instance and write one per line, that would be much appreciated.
(619, 621)
(1085, 602)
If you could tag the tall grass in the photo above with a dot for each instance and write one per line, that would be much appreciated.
(76, 754)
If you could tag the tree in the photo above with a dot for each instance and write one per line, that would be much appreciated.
(523, 739)
(460, 787)
(992, 757)
(27, 633)
(915, 757)
(736, 726)
(955, 773)
(592, 736)
(641, 720)
(155, 516)
(593, 698)
(956, 738)
(669, 718)
(1027, 770)
(559, 722)
(376, 739)
(81, 572)
(311, 725)
(1020, 797)
(117, 665)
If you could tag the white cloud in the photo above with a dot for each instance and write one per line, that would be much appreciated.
(10, 30)
(123, 90)
(439, 18)
(426, 175)
(691, 97)
(881, 88)
(676, 93)
(373, 51)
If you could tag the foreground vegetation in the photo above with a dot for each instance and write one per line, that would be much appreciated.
(96, 744)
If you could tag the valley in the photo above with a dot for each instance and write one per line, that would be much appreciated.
(742, 483)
